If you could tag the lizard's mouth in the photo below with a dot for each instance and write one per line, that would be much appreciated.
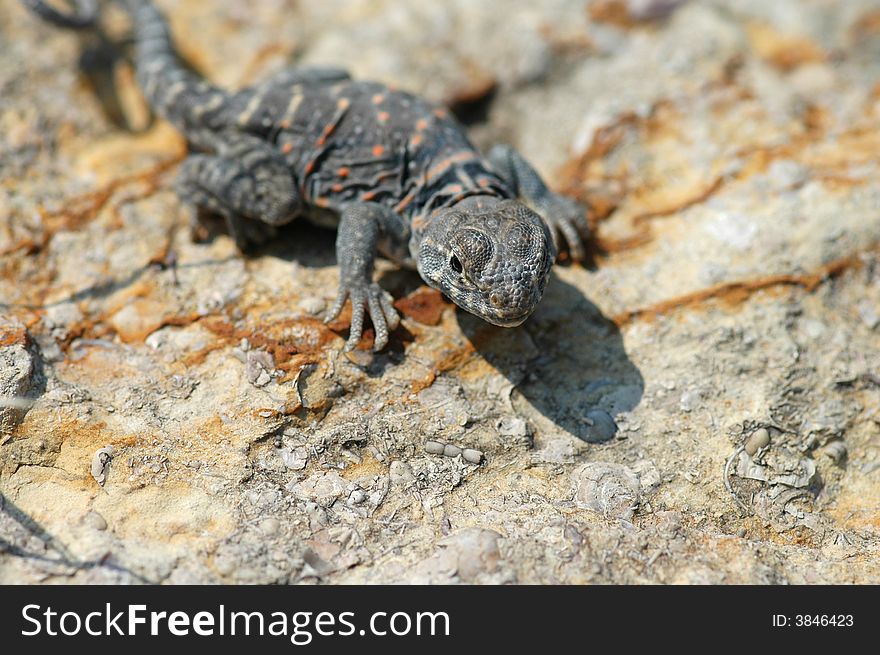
(503, 321)
(482, 301)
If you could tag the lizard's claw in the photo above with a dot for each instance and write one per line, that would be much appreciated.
(375, 300)
(568, 218)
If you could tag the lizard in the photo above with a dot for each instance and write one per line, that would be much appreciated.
(393, 173)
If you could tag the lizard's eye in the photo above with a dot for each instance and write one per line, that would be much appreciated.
(455, 264)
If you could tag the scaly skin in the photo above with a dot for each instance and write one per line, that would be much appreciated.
(392, 172)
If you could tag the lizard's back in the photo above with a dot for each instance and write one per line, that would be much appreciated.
(363, 141)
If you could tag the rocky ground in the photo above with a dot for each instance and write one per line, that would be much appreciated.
(701, 404)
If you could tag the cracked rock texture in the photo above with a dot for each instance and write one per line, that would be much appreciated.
(700, 406)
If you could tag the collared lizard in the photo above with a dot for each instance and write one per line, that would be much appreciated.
(392, 172)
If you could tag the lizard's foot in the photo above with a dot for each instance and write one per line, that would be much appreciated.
(375, 300)
(205, 224)
(567, 218)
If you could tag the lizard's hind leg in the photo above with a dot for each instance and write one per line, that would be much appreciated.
(247, 183)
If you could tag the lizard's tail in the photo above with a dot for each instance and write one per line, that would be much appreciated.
(175, 92)
(84, 15)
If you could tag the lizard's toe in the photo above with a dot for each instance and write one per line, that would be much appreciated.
(358, 297)
(572, 239)
(569, 219)
(338, 304)
(377, 315)
(372, 300)
(383, 315)
(391, 314)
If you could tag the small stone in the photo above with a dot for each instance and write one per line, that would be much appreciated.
(356, 497)
(377, 454)
(225, 565)
(760, 438)
(600, 427)
(512, 426)
(814, 329)
(322, 488)
(868, 313)
(361, 358)
(470, 552)
(690, 400)
(451, 451)
(312, 305)
(835, 450)
(401, 474)
(101, 464)
(259, 367)
(607, 488)
(138, 319)
(668, 524)
(94, 520)
(434, 447)
(649, 475)
(472, 456)
(270, 526)
(571, 534)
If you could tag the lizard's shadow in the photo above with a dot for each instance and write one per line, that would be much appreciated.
(567, 361)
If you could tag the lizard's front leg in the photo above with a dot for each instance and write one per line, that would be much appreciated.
(361, 226)
(246, 179)
(562, 214)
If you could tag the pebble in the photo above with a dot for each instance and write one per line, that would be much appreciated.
(451, 451)
(470, 552)
(362, 358)
(321, 488)
(608, 488)
(357, 497)
(868, 313)
(376, 453)
(512, 426)
(270, 526)
(760, 438)
(690, 400)
(434, 447)
(836, 450)
(259, 367)
(472, 456)
(401, 473)
(101, 464)
(225, 565)
(649, 475)
(95, 520)
(600, 427)
(312, 305)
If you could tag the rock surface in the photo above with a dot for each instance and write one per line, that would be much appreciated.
(730, 160)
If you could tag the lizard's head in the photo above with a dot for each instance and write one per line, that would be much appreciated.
(494, 264)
